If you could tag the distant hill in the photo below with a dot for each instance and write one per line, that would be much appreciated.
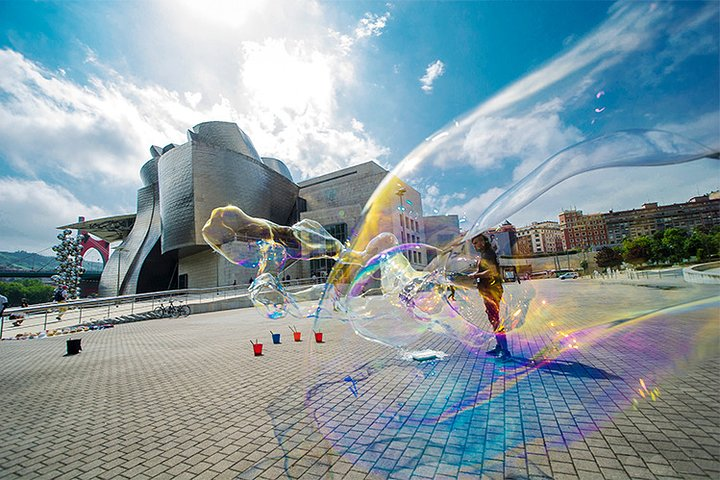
(21, 261)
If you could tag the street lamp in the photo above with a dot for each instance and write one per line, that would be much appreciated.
(567, 254)
(401, 193)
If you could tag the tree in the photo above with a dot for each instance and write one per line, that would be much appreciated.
(638, 250)
(674, 244)
(702, 243)
(659, 253)
(69, 268)
(33, 290)
(608, 257)
(715, 242)
(584, 265)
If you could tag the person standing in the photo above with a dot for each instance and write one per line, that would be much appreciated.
(489, 284)
(3, 303)
(61, 296)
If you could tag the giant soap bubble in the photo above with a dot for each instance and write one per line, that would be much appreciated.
(388, 300)
(267, 246)
(633, 103)
(376, 289)
(374, 285)
(598, 106)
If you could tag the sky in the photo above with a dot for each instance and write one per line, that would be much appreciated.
(462, 99)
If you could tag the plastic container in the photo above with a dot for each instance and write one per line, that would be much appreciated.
(424, 355)
(257, 349)
(296, 336)
(318, 337)
(73, 346)
(276, 338)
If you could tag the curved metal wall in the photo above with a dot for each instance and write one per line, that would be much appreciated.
(124, 265)
(197, 177)
(148, 241)
(183, 184)
(177, 200)
(278, 166)
(149, 172)
(225, 135)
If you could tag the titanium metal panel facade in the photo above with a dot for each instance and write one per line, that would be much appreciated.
(122, 272)
(219, 166)
(224, 135)
(149, 171)
(152, 236)
(196, 178)
(222, 177)
(177, 206)
(278, 166)
(120, 275)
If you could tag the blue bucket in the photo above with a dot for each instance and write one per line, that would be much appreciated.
(276, 338)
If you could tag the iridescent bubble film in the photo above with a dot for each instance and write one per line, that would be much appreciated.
(267, 246)
(582, 351)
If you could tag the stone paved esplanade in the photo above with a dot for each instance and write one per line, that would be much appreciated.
(185, 398)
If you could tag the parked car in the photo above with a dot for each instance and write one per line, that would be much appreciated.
(568, 275)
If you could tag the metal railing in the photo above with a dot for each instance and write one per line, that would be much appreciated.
(665, 273)
(58, 316)
(707, 273)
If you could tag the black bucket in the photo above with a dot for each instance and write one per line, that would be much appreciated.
(73, 346)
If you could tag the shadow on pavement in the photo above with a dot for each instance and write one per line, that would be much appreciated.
(564, 367)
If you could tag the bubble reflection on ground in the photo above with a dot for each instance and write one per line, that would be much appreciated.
(472, 414)
(571, 372)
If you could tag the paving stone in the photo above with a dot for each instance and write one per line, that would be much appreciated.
(613, 474)
(183, 399)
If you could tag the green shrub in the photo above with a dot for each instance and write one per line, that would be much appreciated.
(31, 289)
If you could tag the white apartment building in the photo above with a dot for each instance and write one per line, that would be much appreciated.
(542, 237)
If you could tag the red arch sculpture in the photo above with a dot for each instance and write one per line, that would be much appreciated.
(87, 242)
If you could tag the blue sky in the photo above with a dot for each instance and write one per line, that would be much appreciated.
(87, 87)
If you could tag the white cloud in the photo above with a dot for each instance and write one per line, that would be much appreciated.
(604, 190)
(530, 120)
(31, 210)
(705, 129)
(224, 13)
(290, 90)
(274, 71)
(433, 71)
(282, 71)
(434, 202)
(623, 189)
(193, 98)
(100, 131)
(628, 30)
(530, 138)
(290, 76)
(684, 40)
(371, 25)
(472, 208)
(357, 125)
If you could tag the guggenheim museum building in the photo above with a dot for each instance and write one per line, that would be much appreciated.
(162, 246)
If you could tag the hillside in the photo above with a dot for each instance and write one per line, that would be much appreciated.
(22, 260)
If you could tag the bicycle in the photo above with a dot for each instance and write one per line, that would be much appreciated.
(182, 311)
(172, 310)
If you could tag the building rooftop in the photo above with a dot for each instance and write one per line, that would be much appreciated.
(110, 229)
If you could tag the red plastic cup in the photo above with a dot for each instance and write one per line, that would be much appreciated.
(318, 337)
(296, 336)
(257, 349)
